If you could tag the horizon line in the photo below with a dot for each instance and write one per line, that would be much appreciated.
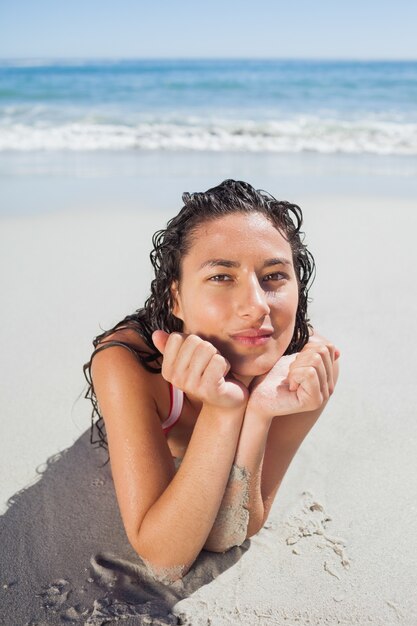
(205, 58)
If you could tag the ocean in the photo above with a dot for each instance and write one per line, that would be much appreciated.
(108, 135)
(275, 106)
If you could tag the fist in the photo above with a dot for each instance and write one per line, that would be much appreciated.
(195, 366)
(297, 382)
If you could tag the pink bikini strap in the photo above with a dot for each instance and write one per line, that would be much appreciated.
(177, 400)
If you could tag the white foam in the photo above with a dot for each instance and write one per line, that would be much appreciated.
(300, 134)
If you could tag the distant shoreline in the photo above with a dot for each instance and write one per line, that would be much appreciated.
(105, 59)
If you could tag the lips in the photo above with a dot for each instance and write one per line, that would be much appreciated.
(253, 332)
(253, 337)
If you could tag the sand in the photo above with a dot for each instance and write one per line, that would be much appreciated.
(340, 544)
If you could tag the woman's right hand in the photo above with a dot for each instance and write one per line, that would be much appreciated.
(196, 366)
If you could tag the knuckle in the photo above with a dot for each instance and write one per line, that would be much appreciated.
(218, 360)
(209, 347)
(175, 338)
(174, 343)
(311, 372)
(317, 359)
(318, 399)
(194, 340)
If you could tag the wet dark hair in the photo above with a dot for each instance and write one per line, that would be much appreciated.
(172, 244)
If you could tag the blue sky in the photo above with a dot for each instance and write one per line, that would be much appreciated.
(353, 29)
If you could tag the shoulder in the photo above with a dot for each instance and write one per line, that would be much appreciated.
(127, 336)
(123, 341)
(116, 369)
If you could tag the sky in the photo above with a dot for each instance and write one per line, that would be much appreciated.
(320, 29)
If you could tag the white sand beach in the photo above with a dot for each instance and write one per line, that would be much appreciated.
(340, 545)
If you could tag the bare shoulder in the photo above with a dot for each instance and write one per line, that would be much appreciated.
(116, 367)
(129, 336)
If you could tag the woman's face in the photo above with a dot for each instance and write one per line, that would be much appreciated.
(239, 290)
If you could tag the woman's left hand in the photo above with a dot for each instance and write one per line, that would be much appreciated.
(298, 382)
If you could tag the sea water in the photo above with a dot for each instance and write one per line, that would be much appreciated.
(150, 129)
(280, 106)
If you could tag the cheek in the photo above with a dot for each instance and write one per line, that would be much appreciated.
(213, 306)
(202, 315)
(283, 302)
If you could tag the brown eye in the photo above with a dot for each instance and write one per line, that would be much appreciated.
(275, 276)
(219, 278)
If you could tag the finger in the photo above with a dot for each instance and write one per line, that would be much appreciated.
(330, 367)
(172, 349)
(329, 363)
(198, 360)
(313, 359)
(326, 351)
(228, 367)
(160, 338)
(305, 381)
(215, 372)
(315, 338)
(186, 357)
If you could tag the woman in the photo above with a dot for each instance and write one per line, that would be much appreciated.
(208, 391)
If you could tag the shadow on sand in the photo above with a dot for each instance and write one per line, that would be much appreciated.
(66, 557)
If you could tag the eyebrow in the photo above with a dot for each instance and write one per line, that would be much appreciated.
(228, 263)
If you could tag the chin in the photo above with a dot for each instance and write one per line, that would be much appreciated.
(254, 368)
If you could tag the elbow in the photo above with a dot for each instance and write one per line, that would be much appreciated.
(164, 572)
(254, 530)
(223, 544)
(257, 521)
(163, 568)
(230, 530)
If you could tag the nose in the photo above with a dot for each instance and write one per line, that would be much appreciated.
(252, 301)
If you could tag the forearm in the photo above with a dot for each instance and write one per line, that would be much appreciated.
(176, 527)
(241, 511)
(250, 454)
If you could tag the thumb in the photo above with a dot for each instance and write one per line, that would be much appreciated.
(160, 338)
